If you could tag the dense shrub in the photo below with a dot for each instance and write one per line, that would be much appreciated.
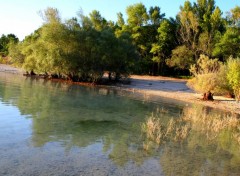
(233, 76)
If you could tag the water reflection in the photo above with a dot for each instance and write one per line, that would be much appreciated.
(77, 116)
(99, 125)
(209, 148)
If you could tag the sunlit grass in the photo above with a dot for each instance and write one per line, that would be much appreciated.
(199, 120)
(157, 131)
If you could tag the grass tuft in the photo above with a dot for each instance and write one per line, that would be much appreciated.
(199, 120)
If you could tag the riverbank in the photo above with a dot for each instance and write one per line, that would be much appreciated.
(10, 69)
(177, 89)
(165, 87)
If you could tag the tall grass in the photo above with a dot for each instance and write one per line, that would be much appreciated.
(193, 119)
(159, 131)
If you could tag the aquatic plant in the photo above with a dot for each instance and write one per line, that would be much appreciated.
(193, 120)
(158, 131)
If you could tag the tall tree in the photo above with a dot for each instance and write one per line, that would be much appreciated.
(155, 15)
(228, 44)
(165, 43)
(5, 41)
(137, 15)
(97, 20)
(200, 28)
(120, 19)
(234, 16)
(204, 10)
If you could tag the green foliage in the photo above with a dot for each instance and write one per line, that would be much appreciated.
(204, 82)
(205, 65)
(223, 87)
(137, 15)
(165, 43)
(155, 15)
(97, 20)
(181, 58)
(228, 44)
(200, 26)
(234, 17)
(120, 21)
(75, 51)
(15, 54)
(5, 41)
(211, 75)
(233, 75)
(91, 43)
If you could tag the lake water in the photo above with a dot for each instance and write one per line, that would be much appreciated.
(52, 128)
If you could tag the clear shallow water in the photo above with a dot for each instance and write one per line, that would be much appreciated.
(50, 128)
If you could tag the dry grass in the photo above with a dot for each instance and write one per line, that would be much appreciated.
(209, 123)
(193, 119)
(157, 131)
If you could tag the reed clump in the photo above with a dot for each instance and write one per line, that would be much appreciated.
(159, 131)
(211, 124)
(193, 119)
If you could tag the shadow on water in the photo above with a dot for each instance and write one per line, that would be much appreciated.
(100, 127)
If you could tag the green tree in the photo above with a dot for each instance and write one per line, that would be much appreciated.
(137, 15)
(234, 17)
(165, 43)
(80, 51)
(97, 20)
(181, 58)
(211, 35)
(14, 52)
(143, 32)
(120, 19)
(228, 45)
(155, 15)
(199, 28)
(233, 76)
(203, 9)
(5, 41)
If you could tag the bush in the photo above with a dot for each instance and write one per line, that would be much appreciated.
(205, 75)
(233, 75)
(223, 87)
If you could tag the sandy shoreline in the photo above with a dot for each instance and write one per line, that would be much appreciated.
(177, 89)
(165, 87)
(10, 69)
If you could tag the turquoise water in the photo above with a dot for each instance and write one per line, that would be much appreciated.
(52, 128)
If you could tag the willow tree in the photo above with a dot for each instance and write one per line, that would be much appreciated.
(49, 49)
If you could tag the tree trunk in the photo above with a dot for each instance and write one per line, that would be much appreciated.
(208, 96)
(32, 73)
(109, 76)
